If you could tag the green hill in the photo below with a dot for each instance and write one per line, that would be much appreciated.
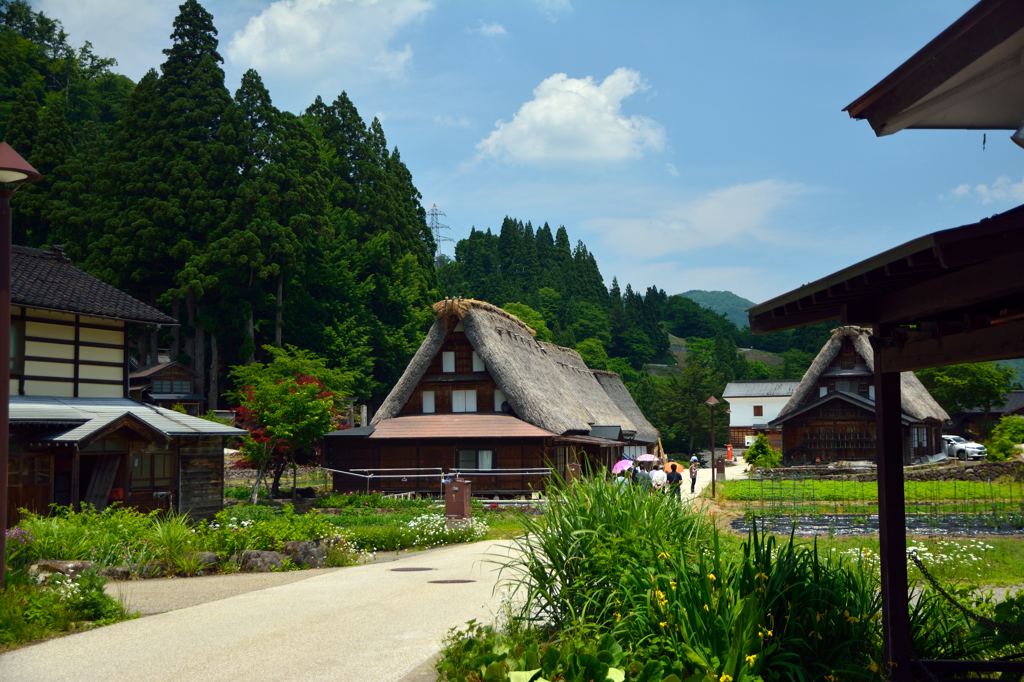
(734, 307)
(1016, 365)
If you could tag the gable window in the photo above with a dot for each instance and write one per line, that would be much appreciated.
(758, 410)
(499, 398)
(464, 401)
(171, 386)
(448, 361)
(476, 459)
(478, 364)
(428, 402)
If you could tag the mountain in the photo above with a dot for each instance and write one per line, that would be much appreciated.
(734, 307)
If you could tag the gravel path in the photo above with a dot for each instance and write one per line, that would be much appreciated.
(362, 623)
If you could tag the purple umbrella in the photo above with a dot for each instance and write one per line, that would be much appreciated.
(621, 465)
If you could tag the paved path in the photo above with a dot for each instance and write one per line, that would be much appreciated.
(363, 623)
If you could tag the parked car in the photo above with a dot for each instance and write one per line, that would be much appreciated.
(961, 448)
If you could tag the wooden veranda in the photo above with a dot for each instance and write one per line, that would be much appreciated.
(949, 297)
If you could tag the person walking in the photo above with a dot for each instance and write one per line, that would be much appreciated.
(694, 468)
(675, 482)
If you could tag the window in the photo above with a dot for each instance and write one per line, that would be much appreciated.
(758, 410)
(27, 470)
(822, 391)
(17, 346)
(476, 459)
(871, 391)
(463, 401)
(171, 386)
(846, 386)
(499, 398)
(448, 361)
(428, 402)
(153, 470)
(107, 445)
(478, 364)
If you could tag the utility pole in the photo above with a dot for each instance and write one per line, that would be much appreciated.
(435, 228)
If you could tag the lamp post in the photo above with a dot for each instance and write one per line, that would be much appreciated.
(14, 171)
(711, 402)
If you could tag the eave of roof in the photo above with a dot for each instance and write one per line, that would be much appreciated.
(851, 398)
(457, 425)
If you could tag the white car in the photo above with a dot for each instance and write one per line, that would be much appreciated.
(955, 446)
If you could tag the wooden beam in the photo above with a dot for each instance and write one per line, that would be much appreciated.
(972, 285)
(892, 539)
(1003, 342)
(775, 322)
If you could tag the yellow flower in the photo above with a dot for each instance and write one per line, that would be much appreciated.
(769, 633)
(672, 583)
(706, 608)
(852, 619)
(663, 555)
(618, 617)
(872, 666)
(750, 659)
(662, 625)
(726, 678)
(711, 576)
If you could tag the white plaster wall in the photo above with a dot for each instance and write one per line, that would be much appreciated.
(742, 410)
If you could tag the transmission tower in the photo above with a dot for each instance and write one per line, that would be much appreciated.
(435, 228)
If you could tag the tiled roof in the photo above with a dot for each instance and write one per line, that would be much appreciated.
(47, 279)
(92, 414)
(150, 370)
(457, 426)
(759, 389)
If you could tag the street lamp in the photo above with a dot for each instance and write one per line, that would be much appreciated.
(14, 171)
(711, 402)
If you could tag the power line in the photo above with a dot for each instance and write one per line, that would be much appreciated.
(435, 228)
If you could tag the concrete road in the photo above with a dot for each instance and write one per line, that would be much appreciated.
(363, 623)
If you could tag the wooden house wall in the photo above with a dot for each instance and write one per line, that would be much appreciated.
(738, 436)
(350, 454)
(202, 477)
(66, 355)
(463, 378)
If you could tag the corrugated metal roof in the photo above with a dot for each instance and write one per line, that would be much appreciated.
(760, 389)
(94, 413)
(465, 425)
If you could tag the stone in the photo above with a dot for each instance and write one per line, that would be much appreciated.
(259, 561)
(206, 559)
(118, 573)
(152, 569)
(45, 568)
(306, 553)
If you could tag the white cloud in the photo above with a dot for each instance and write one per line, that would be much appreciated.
(491, 29)
(1002, 189)
(553, 8)
(457, 121)
(672, 170)
(576, 120)
(305, 37)
(740, 213)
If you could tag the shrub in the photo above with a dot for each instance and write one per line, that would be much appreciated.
(1006, 437)
(761, 454)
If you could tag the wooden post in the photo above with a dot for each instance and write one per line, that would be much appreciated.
(5, 371)
(892, 526)
(713, 469)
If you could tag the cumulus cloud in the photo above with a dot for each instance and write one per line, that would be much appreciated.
(740, 213)
(491, 29)
(1002, 189)
(576, 120)
(552, 9)
(303, 37)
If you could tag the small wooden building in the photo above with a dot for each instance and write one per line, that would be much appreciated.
(168, 384)
(482, 396)
(752, 407)
(75, 435)
(831, 414)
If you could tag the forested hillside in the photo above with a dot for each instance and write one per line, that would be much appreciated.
(725, 302)
(249, 224)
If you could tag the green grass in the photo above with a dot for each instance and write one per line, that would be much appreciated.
(854, 491)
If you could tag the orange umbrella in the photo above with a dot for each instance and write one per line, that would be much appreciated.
(679, 467)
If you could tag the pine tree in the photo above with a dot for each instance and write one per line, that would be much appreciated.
(53, 148)
(22, 129)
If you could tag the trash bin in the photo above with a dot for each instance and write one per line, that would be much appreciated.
(720, 466)
(458, 496)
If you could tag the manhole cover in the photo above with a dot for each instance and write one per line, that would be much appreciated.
(410, 570)
(450, 582)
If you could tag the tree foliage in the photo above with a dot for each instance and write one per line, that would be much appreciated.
(971, 387)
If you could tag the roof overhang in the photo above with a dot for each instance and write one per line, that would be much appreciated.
(455, 426)
(971, 76)
(947, 294)
(99, 428)
(851, 398)
(590, 440)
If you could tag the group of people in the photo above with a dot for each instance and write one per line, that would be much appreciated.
(654, 476)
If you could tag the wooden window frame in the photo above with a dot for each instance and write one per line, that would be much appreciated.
(758, 410)
(151, 484)
(433, 402)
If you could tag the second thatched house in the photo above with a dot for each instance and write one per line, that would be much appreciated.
(831, 415)
(483, 396)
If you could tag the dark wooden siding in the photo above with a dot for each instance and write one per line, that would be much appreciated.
(202, 477)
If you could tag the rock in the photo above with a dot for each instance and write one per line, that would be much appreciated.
(118, 573)
(305, 492)
(206, 559)
(305, 553)
(152, 569)
(45, 568)
(258, 560)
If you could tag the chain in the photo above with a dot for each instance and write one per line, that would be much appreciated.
(962, 609)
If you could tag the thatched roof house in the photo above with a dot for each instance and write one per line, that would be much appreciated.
(480, 368)
(830, 415)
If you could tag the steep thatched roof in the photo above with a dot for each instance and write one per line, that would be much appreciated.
(617, 391)
(546, 385)
(916, 401)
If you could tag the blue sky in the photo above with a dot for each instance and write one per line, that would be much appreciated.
(689, 145)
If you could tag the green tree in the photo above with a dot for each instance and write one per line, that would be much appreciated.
(593, 353)
(52, 150)
(531, 318)
(960, 388)
(1006, 438)
(761, 454)
(683, 409)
